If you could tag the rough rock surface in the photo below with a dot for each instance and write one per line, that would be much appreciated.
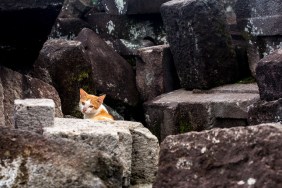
(65, 65)
(135, 146)
(265, 112)
(14, 85)
(34, 114)
(182, 111)
(201, 47)
(155, 72)
(132, 7)
(235, 157)
(30, 160)
(109, 69)
(268, 76)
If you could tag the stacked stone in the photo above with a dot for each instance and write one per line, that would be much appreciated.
(268, 74)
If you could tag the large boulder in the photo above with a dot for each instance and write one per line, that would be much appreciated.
(235, 157)
(14, 85)
(268, 76)
(25, 26)
(112, 74)
(65, 65)
(155, 72)
(31, 160)
(183, 111)
(135, 146)
(200, 42)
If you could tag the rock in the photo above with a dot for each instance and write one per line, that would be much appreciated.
(25, 26)
(75, 8)
(109, 69)
(14, 85)
(183, 111)
(130, 48)
(155, 72)
(65, 65)
(131, 28)
(133, 144)
(30, 160)
(235, 157)
(265, 112)
(118, 7)
(34, 114)
(201, 47)
(68, 28)
(268, 75)
(260, 23)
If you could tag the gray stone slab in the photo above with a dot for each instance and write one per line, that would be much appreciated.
(34, 114)
(182, 111)
(135, 146)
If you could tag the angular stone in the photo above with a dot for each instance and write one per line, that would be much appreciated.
(155, 72)
(133, 144)
(34, 114)
(109, 69)
(14, 85)
(31, 160)
(65, 65)
(75, 8)
(132, 28)
(119, 7)
(182, 111)
(235, 157)
(201, 47)
(269, 78)
(130, 48)
(265, 112)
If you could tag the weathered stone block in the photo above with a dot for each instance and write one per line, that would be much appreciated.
(235, 157)
(201, 47)
(65, 65)
(182, 111)
(265, 112)
(132, 28)
(135, 146)
(31, 160)
(34, 114)
(269, 78)
(155, 72)
(119, 7)
(109, 69)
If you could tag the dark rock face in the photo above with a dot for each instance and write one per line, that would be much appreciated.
(14, 85)
(200, 43)
(112, 75)
(25, 25)
(268, 75)
(132, 7)
(265, 112)
(155, 72)
(36, 161)
(235, 157)
(65, 65)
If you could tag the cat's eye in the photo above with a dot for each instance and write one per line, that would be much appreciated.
(83, 103)
(91, 106)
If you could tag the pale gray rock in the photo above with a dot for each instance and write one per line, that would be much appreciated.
(133, 144)
(34, 114)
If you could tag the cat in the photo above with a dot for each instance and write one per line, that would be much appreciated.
(92, 107)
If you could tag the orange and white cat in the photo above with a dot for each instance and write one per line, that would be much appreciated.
(92, 107)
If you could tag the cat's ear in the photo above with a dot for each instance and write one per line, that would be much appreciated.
(101, 98)
(82, 93)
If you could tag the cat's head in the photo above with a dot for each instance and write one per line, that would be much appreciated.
(89, 104)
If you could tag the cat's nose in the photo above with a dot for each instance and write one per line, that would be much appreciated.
(84, 110)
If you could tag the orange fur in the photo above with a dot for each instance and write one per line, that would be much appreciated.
(92, 107)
